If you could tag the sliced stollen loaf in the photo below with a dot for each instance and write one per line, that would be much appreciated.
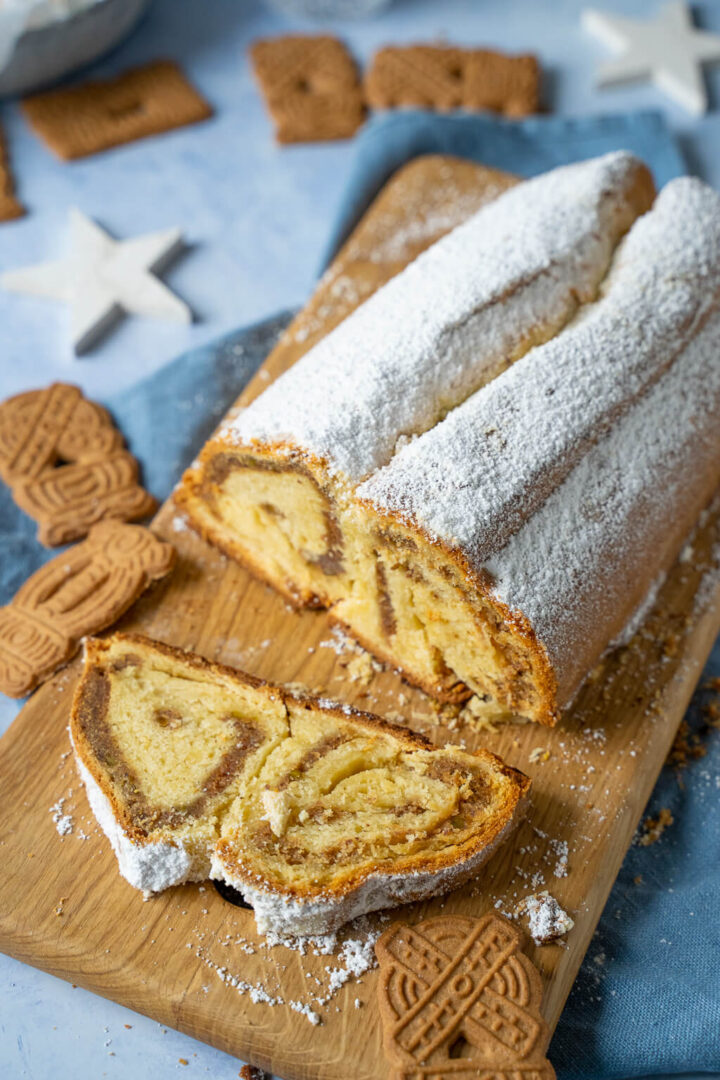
(314, 811)
(473, 559)
(272, 487)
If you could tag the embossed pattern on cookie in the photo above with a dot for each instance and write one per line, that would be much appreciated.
(459, 1000)
(311, 87)
(80, 592)
(77, 121)
(446, 77)
(64, 461)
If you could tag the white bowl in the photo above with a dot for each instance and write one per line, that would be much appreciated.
(42, 56)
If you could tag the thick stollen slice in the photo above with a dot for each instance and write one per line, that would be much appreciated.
(314, 811)
(273, 486)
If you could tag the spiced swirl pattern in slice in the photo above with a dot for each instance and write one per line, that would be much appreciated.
(348, 814)
(313, 811)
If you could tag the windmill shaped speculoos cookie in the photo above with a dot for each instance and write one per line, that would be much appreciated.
(459, 1000)
(79, 592)
(65, 463)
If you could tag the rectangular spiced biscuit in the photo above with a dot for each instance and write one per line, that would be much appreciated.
(446, 77)
(311, 87)
(81, 120)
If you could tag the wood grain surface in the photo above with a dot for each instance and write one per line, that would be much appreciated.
(64, 907)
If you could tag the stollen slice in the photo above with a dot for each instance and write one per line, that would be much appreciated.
(314, 811)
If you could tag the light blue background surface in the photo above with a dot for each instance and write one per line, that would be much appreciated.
(257, 218)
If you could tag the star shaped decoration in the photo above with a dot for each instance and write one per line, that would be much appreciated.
(103, 278)
(668, 49)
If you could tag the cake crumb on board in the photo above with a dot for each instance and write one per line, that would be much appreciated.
(547, 921)
(653, 828)
(63, 822)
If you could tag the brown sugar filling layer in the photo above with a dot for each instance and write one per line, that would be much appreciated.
(144, 816)
(172, 745)
(399, 596)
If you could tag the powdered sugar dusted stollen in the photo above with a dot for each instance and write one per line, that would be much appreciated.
(475, 478)
(587, 560)
(460, 313)
(272, 488)
(532, 522)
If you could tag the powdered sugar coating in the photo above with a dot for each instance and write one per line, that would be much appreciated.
(586, 560)
(276, 912)
(546, 919)
(475, 478)
(450, 320)
(150, 867)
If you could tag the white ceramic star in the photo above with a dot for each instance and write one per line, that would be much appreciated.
(103, 278)
(668, 50)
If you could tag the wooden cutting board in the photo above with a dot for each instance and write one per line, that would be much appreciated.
(63, 906)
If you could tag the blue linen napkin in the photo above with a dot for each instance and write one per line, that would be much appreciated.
(526, 148)
(647, 1000)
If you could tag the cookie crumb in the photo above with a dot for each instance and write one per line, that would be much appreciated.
(251, 1072)
(653, 828)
